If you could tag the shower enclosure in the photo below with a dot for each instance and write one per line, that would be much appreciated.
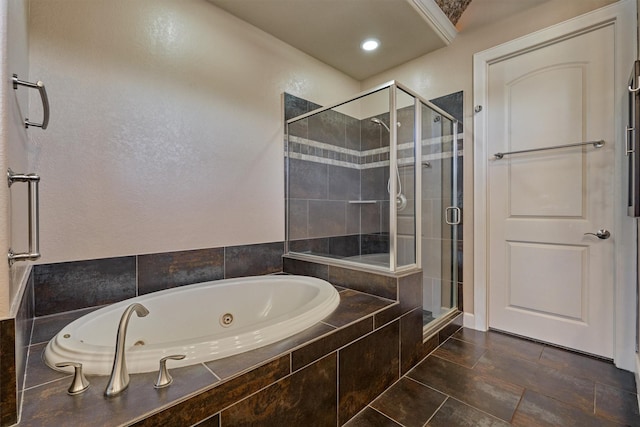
(372, 184)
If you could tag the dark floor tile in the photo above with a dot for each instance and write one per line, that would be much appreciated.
(371, 418)
(355, 305)
(460, 352)
(488, 393)
(600, 371)
(157, 272)
(617, 405)
(537, 410)
(456, 414)
(575, 391)
(409, 403)
(286, 403)
(502, 343)
(367, 368)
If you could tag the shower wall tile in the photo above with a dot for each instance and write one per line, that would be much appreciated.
(374, 183)
(294, 106)
(406, 119)
(374, 243)
(344, 246)
(353, 218)
(80, 284)
(373, 135)
(316, 246)
(452, 104)
(327, 218)
(344, 183)
(307, 180)
(328, 127)
(352, 133)
(168, 270)
(297, 217)
(370, 218)
(367, 368)
(253, 260)
(280, 404)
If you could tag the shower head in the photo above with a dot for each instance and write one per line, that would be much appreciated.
(380, 122)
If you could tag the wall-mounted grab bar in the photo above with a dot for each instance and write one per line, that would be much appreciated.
(596, 144)
(34, 216)
(43, 96)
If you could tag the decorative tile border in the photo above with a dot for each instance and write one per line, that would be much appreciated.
(319, 152)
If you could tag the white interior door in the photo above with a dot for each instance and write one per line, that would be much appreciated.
(547, 279)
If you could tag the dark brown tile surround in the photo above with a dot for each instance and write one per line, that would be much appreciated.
(284, 368)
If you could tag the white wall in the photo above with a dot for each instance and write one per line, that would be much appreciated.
(166, 129)
(450, 70)
(13, 144)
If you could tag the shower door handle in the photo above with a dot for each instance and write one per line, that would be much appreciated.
(452, 215)
(600, 234)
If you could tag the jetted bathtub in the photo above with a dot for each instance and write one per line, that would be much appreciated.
(205, 321)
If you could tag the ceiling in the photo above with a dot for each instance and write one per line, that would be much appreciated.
(332, 30)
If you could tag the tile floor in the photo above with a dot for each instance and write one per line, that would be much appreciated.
(492, 379)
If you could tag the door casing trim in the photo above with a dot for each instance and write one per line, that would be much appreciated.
(622, 15)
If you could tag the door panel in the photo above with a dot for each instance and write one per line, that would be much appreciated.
(547, 279)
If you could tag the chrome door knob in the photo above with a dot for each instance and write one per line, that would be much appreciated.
(600, 234)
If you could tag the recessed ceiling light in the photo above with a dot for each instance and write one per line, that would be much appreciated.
(370, 44)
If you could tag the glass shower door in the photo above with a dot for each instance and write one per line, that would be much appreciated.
(440, 216)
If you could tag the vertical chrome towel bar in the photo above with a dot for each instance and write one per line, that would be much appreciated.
(34, 216)
(43, 96)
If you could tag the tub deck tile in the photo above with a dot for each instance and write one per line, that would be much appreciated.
(49, 404)
(230, 366)
(354, 306)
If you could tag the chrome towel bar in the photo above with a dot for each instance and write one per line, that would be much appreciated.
(43, 96)
(34, 216)
(596, 144)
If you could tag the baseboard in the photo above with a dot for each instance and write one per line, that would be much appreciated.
(469, 320)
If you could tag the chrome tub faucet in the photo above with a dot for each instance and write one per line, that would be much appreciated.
(119, 380)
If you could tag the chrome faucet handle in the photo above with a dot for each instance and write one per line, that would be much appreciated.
(164, 378)
(80, 382)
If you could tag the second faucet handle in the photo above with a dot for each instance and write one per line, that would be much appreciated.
(164, 378)
(79, 383)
